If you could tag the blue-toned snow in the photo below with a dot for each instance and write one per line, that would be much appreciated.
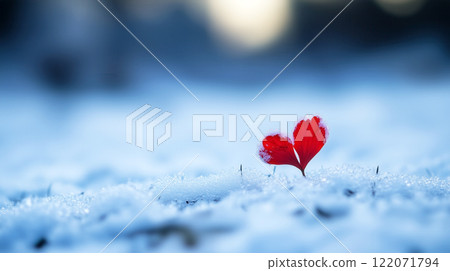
(228, 212)
(69, 182)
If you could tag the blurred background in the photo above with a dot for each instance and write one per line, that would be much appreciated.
(73, 46)
(70, 74)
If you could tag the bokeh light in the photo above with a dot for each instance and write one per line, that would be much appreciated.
(250, 24)
(401, 7)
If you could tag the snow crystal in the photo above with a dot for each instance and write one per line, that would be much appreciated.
(234, 212)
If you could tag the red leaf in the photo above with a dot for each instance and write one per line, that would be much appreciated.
(278, 150)
(310, 136)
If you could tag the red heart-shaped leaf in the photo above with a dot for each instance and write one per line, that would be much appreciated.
(310, 136)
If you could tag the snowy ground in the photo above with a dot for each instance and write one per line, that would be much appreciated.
(69, 182)
(233, 213)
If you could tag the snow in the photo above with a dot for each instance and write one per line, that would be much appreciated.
(228, 212)
(69, 182)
